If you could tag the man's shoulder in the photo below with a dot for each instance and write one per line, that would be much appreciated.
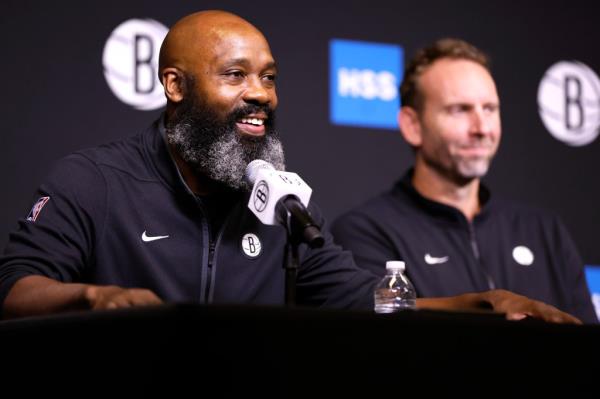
(113, 153)
(87, 166)
(389, 205)
(128, 155)
(520, 209)
(523, 216)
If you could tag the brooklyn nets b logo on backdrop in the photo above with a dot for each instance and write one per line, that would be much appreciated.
(569, 102)
(130, 62)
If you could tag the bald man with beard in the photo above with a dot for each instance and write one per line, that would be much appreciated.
(162, 216)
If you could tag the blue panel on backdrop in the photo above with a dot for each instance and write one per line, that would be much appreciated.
(592, 274)
(364, 79)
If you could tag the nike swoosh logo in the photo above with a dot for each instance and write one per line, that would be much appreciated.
(432, 260)
(147, 238)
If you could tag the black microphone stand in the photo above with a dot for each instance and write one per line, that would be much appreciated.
(300, 228)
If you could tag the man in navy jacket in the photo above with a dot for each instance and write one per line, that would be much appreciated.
(454, 236)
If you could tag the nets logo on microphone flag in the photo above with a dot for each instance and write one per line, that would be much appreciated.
(270, 187)
(364, 79)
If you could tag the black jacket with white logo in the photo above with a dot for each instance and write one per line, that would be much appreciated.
(121, 214)
(507, 246)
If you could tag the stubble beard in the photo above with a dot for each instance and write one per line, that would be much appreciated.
(459, 169)
(470, 169)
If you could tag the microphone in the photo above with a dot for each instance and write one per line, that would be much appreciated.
(280, 197)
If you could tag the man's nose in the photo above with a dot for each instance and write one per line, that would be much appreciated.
(256, 92)
(481, 122)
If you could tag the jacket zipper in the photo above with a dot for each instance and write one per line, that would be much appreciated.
(211, 255)
(212, 250)
(207, 259)
(476, 253)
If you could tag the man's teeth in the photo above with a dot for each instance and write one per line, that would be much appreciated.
(253, 121)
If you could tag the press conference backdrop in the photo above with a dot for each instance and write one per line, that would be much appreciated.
(76, 74)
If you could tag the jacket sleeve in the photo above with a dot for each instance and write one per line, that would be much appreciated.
(328, 276)
(368, 241)
(579, 294)
(57, 239)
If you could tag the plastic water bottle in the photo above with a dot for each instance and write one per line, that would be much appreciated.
(394, 292)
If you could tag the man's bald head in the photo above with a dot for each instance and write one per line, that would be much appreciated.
(196, 36)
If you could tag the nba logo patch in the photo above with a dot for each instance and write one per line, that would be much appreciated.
(37, 208)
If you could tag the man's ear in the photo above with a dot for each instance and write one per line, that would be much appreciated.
(172, 80)
(410, 126)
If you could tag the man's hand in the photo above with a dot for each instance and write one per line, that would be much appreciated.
(113, 297)
(37, 295)
(518, 307)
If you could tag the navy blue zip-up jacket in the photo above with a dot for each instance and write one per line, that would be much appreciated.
(509, 246)
(105, 222)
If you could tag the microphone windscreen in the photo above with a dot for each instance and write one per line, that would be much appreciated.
(253, 168)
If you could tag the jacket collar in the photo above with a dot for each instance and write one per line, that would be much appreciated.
(437, 209)
(157, 154)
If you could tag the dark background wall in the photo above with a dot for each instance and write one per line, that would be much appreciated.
(55, 98)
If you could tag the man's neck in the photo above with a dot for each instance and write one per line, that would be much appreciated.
(434, 186)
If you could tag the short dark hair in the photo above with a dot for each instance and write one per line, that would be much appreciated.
(425, 57)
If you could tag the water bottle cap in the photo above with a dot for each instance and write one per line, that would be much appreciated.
(395, 265)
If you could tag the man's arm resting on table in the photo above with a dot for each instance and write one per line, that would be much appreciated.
(37, 295)
(516, 307)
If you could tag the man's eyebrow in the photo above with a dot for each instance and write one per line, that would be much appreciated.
(458, 104)
(272, 65)
(236, 61)
(245, 63)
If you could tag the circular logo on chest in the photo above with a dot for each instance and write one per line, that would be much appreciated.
(251, 245)
(523, 255)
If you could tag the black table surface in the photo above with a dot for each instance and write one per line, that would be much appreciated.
(225, 351)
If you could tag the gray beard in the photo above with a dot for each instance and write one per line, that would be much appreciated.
(225, 157)
(212, 145)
